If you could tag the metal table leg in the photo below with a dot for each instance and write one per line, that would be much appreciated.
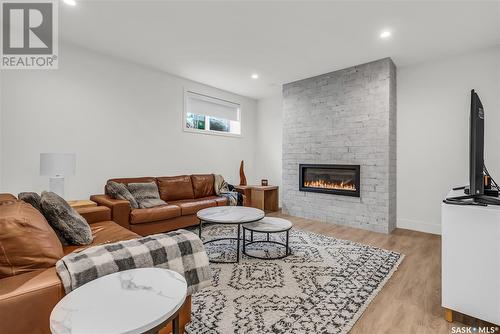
(244, 239)
(287, 251)
(201, 225)
(238, 245)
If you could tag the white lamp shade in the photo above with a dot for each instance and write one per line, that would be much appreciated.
(52, 164)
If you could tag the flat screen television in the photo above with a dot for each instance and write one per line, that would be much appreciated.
(476, 146)
(476, 193)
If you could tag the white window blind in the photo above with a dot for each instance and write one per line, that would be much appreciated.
(211, 115)
(213, 107)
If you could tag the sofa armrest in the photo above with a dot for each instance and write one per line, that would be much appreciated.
(120, 209)
(95, 214)
(26, 301)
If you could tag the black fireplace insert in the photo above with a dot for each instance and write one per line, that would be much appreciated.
(330, 179)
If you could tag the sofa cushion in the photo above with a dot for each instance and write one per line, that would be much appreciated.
(174, 188)
(104, 232)
(27, 241)
(192, 206)
(219, 200)
(139, 216)
(146, 194)
(68, 223)
(119, 190)
(31, 198)
(203, 185)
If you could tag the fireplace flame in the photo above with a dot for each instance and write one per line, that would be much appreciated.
(330, 185)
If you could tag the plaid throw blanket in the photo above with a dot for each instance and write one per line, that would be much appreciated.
(181, 251)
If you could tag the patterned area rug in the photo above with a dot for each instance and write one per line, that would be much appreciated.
(322, 287)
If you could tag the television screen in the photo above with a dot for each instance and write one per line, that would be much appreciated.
(476, 146)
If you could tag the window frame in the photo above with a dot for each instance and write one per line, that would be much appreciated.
(188, 93)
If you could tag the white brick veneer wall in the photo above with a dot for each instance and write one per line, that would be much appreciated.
(343, 117)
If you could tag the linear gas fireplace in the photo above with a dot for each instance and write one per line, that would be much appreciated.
(329, 179)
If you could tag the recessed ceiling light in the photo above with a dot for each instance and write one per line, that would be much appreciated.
(385, 34)
(70, 2)
(255, 76)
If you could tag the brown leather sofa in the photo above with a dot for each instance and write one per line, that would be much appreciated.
(30, 290)
(185, 196)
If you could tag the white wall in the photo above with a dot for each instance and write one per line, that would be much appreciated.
(269, 141)
(433, 120)
(121, 119)
(433, 133)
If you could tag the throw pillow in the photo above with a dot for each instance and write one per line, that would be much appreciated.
(120, 191)
(35, 201)
(146, 194)
(31, 198)
(65, 220)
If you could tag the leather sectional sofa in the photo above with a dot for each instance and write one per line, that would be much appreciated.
(185, 196)
(29, 285)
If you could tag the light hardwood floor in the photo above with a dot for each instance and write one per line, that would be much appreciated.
(410, 302)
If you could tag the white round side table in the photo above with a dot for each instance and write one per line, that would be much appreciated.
(134, 301)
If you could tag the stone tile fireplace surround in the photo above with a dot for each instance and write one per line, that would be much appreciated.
(346, 117)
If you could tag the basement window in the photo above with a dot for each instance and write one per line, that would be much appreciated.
(211, 115)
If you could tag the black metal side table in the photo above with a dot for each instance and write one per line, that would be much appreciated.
(267, 225)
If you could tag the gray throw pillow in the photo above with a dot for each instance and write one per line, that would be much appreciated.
(146, 194)
(65, 220)
(36, 201)
(120, 191)
(31, 198)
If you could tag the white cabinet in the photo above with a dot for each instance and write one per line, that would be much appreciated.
(471, 260)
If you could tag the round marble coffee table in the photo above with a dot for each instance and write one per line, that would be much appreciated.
(235, 215)
(267, 225)
(134, 301)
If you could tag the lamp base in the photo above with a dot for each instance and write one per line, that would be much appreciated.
(56, 185)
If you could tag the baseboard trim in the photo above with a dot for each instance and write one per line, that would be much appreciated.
(420, 226)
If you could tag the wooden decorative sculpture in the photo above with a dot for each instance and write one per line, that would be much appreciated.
(243, 179)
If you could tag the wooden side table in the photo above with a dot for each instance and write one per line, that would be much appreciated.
(78, 204)
(261, 197)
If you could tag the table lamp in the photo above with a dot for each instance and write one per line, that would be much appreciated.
(57, 166)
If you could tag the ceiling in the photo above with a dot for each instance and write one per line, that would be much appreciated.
(222, 43)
